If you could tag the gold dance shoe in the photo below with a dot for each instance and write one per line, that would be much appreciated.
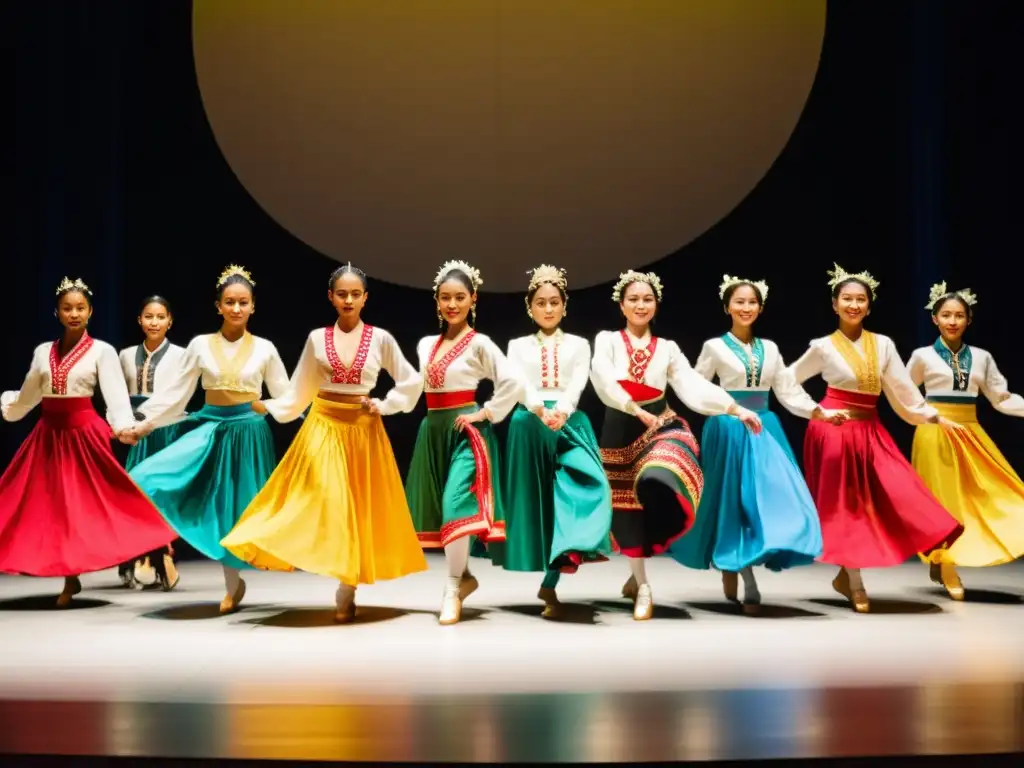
(730, 586)
(857, 597)
(468, 586)
(629, 589)
(72, 586)
(230, 603)
(643, 609)
(951, 581)
(173, 577)
(552, 606)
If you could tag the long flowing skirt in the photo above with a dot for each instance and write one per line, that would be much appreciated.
(973, 480)
(203, 481)
(452, 485)
(875, 510)
(756, 508)
(66, 505)
(335, 504)
(655, 478)
(155, 441)
(558, 503)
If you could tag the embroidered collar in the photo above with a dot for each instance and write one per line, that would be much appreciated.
(753, 361)
(229, 371)
(347, 374)
(557, 337)
(145, 365)
(60, 368)
(865, 367)
(639, 359)
(436, 371)
(959, 362)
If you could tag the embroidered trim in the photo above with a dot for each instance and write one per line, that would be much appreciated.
(545, 368)
(753, 363)
(435, 372)
(60, 369)
(145, 366)
(352, 374)
(959, 362)
(229, 371)
(626, 456)
(864, 367)
(639, 359)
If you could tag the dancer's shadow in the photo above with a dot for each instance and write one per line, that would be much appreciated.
(195, 612)
(49, 603)
(766, 611)
(568, 613)
(884, 606)
(309, 618)
(986, 596)
(661, 610)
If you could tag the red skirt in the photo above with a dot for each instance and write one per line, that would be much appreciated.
(875, 510)
(66, 505)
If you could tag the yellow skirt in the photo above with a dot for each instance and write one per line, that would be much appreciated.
(972, 479)
(334, 506)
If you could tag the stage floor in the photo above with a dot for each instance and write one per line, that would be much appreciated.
(161, 674)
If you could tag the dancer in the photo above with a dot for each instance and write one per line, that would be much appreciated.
(335, 504)
(875, 511)
(755, 509)
(206, 478)
(964, 469)
(452, 488)
(66, 505)
(558, 504)
(649, 453)
(149, 367)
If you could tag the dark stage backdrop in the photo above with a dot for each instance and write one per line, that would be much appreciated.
(901, 163)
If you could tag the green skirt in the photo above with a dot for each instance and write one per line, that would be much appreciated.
(558, 500)
(450, 486)
(156, 440)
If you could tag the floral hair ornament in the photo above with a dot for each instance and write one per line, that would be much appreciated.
(631, 276)
(72, 285)
(729, 281)
(840, 275)
(938, 291)
(450, 266)
(234, 269)
(545, 274)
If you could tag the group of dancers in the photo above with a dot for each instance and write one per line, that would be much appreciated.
(557, 497)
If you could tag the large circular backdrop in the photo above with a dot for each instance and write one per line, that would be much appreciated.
(593, 134)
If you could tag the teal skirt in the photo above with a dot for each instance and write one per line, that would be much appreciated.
(558, 503)
(204, 480)
(155, 441)
(756, 508)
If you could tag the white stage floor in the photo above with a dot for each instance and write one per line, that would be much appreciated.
(116, 644)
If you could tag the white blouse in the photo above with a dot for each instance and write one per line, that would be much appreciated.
(243, 365)
(717, 358)
(928, 367)
(321, 368)
(552, 367)
(882, 372)
(158, 368)
(668, 366)
(461, 369)
(89, 364)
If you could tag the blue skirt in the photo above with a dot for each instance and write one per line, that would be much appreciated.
(204, 480)
(756, 508)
